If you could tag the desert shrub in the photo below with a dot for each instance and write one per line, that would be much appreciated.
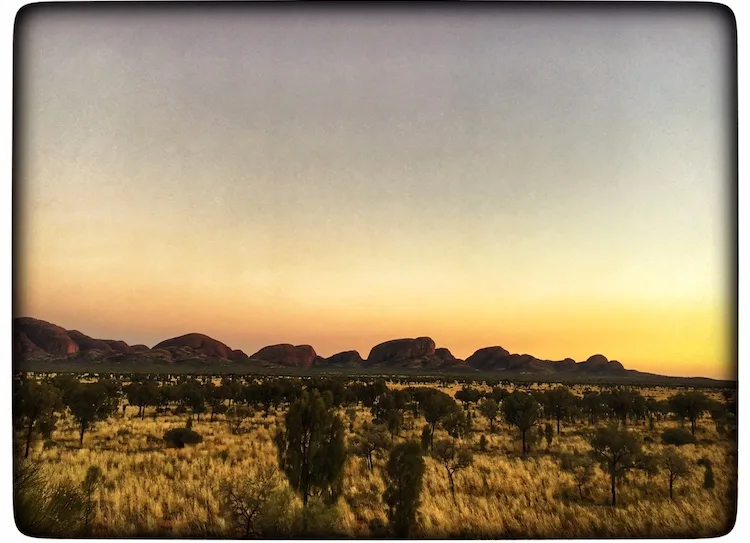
(483, 443)
(316, 520)
(580, 467)
(45, 510)
(708, 475)
(123, 432)
(677, 436)
(179, 437)
(404, 473)
(311, 447)
(244, 501)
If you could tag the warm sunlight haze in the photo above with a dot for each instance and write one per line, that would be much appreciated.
(556, 186)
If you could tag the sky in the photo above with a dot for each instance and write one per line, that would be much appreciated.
(557, 182)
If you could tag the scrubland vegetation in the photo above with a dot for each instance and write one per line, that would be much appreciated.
(331, 457)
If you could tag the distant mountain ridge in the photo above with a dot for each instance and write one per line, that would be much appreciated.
(37, 340)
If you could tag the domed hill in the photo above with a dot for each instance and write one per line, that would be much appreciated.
(199, 343)
(489, 359)
(120, 346)
(398, 350)
(598, 363)
(22, 344)
(87, 343)
(49, 337)
(285, 354)
(444, 354)
(498, 359)
(346, 359)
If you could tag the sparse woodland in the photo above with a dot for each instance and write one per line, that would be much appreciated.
(243, 457)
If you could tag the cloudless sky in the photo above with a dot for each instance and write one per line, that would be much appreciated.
(557, 182)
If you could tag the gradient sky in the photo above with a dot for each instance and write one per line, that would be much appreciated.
(555, 182)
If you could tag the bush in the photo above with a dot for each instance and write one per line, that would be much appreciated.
(179, 437)
(677, 436)
(316, 520)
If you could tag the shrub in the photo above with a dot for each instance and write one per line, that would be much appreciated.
(677, 436)
(404, 473)
(179, 437)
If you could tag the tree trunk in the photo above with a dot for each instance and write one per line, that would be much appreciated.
(247, 527)
(523, 442)
(212, 415)
(692, 426)
(143, 411)
(558, 426)
(432, 435)
(580, 490)
(28, 437)
(83, 430)
(671, 484)
(453, 486)
(614, 490)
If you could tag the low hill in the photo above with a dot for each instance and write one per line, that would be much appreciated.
(42, 346)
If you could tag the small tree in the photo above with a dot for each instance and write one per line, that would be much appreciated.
(580, 467)
(403, 474)
(372, 439)
(245, 500)
(618, 451)
(489, 409)
(453, 459)
(455, 424)
(311, 449)
(237, 414)
(34, 403)
(521, 410)
(560, 401)
(437, 407)
(483, 443)
(690, 405)
(467, 396)
(394, 421)
(675, 466)
(91, 403)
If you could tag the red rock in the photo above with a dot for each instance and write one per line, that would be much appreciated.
(401, 349)
(489, 358)
(87, 343)
(22, 344)
(237, 355)
(47, 336)
(119, 346)
(346, 358)
(286, 354)
(200, 343)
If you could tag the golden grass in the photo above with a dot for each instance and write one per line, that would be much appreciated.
(152, 490)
